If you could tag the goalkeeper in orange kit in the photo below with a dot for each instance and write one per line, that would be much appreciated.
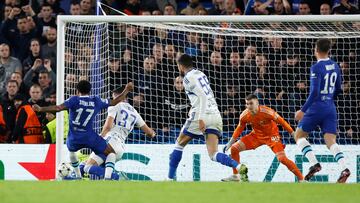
(263, 121)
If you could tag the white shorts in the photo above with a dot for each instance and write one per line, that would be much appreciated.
(213, 122)
(116, 141)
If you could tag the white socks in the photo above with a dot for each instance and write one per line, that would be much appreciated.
(75, 164)
(338, 155)
(109, 165)
(306, 150)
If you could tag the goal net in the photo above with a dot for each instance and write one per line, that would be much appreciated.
(267, 56)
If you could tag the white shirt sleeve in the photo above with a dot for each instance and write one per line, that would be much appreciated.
(112, 111)
(140, 121)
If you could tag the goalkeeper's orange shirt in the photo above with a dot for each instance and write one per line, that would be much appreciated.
(263, 123)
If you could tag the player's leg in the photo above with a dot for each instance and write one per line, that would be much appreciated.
(278, 148)
(212, 141)
(306, 125)
(329, 126)
(99, 146)
(73, 148)
(95, 170)
(176, 155)
(235, 150)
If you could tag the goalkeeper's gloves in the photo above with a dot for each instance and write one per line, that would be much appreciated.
(293, 134)
(228, 145)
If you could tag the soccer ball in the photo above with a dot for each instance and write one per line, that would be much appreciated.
(64, 169)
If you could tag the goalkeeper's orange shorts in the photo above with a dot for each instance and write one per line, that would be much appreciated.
(252, 141)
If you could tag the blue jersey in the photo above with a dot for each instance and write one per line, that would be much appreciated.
(83, 110)
(325, 83)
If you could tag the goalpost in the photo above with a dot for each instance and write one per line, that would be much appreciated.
(266, 55)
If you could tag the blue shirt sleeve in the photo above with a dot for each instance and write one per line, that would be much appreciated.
(102, 103)
(248, 7)
(315, 81)
(338, 88)
(70, 102)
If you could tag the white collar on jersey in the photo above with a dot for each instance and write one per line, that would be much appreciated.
(190, 70)
(84, 96)
(325, 59)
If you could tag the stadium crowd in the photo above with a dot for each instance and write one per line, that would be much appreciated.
(275, 68)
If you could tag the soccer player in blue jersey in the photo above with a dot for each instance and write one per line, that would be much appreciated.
(319, 110)
(83, 109)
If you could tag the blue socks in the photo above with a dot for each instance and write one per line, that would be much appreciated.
(225, 160)
(175, 158)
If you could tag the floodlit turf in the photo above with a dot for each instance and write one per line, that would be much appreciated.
(172, 192)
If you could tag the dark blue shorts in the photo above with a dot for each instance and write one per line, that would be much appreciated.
(93, 141)
(325, 118)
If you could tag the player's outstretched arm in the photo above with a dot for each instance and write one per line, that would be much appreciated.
(54, 108)
(280, 120)
(129, 87)
(148, 131)
(107, 126)
(235, 135)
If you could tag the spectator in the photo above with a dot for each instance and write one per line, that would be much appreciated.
(46, 82)
(132, 7)
(20, 37)
(145, 13)
(48, 50)
(49, 131)
(325, 9)
(70, 83)
(35, 53)
(27, 129)
(171, 70)
(175, 105)
(202, 11)
(230, 8)
(346, 103)
(219, 44)
(36, 97)
(8, 105)
(260, 8)
(191, 47)
(249, 55)
(51, 99)
(4, 133)
(304, 8)
(275, 51)
(33, 75)
(281, 7)
(230, 107)
(85, 7)
(158, 53)
(345, 7)
(156, 13)
(298, 97)
(75, 7)
(219, 6)
(118, 73)
(17, 76)
(192, 8)
(8, 65)
(55, 5)
(169, 9)
(46, 21)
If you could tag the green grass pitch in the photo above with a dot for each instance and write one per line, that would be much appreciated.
(172, 192)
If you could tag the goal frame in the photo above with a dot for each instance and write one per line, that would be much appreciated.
(63, 19)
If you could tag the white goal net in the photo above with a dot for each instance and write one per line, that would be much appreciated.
(267, 56)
